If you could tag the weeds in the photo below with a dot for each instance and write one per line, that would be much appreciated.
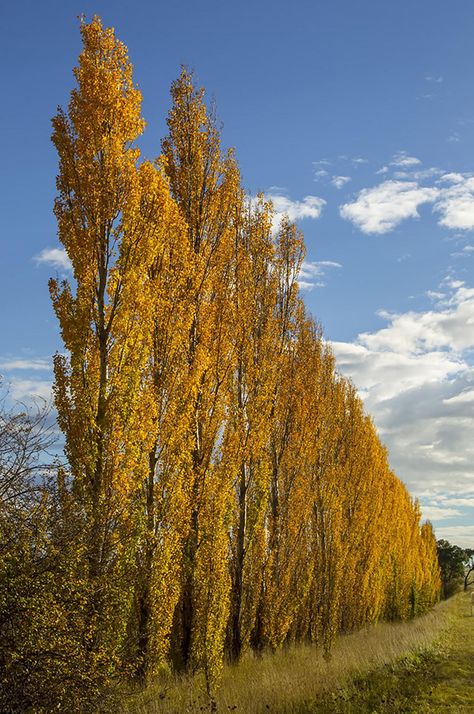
(379, 667)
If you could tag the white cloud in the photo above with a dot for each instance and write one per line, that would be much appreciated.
(417, 380)
(465, 252)
(451, 177)
(20, 380)
(467, 502)
(56, 257)
(452, 283)
(309, 207)
(30, 364)
(434, 78)
(340, 181)
(313, 272)
(463, 536)
(456, 202)
(327, 264)
(439, 513)
(386, 373)
(466, 396)
(381, 208)
(30, 389)
(435, 295)
(307, 285)
(401, 158)
(417, 174)
(413, 333)
(337, 176)
(404, 166)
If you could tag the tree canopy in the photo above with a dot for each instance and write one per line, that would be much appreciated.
(224, 488)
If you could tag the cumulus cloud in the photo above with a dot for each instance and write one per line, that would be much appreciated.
(313, 272)
(417, 379)
(413, 333)
(456, 202)
(309, 207)
(56, 257)
(340, 181)
(451, 177)
(387, 373)
(381, 208)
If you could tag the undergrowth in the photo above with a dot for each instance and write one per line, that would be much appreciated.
(402, 667)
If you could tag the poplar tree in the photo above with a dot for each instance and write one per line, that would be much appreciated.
(206, 186)
(289, 257)
(255, 334)
(101, 311)
(160, 511)
(228, 489)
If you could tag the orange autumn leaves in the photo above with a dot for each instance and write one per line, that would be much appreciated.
(233, 491)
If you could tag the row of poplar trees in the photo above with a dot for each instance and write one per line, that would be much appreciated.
(226, 488)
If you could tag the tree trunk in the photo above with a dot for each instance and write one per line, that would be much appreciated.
(236, 637)
(144, 601)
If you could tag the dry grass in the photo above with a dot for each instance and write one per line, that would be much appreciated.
(435, 680)
(295, 679)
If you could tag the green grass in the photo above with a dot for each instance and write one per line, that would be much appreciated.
(437, 679)
(426, 665)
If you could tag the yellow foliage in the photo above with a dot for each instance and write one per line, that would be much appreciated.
(234, 493)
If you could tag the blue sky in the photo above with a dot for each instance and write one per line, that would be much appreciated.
(358, 118)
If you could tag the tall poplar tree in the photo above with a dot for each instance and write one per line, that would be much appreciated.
(206, 186)
(255, 335)
(101, 313)
(160, 507)
(228, 489)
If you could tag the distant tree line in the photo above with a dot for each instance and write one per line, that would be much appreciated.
(224, 489)
(456, 567)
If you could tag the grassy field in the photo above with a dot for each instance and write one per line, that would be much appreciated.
(436, 679)
(426, 665)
